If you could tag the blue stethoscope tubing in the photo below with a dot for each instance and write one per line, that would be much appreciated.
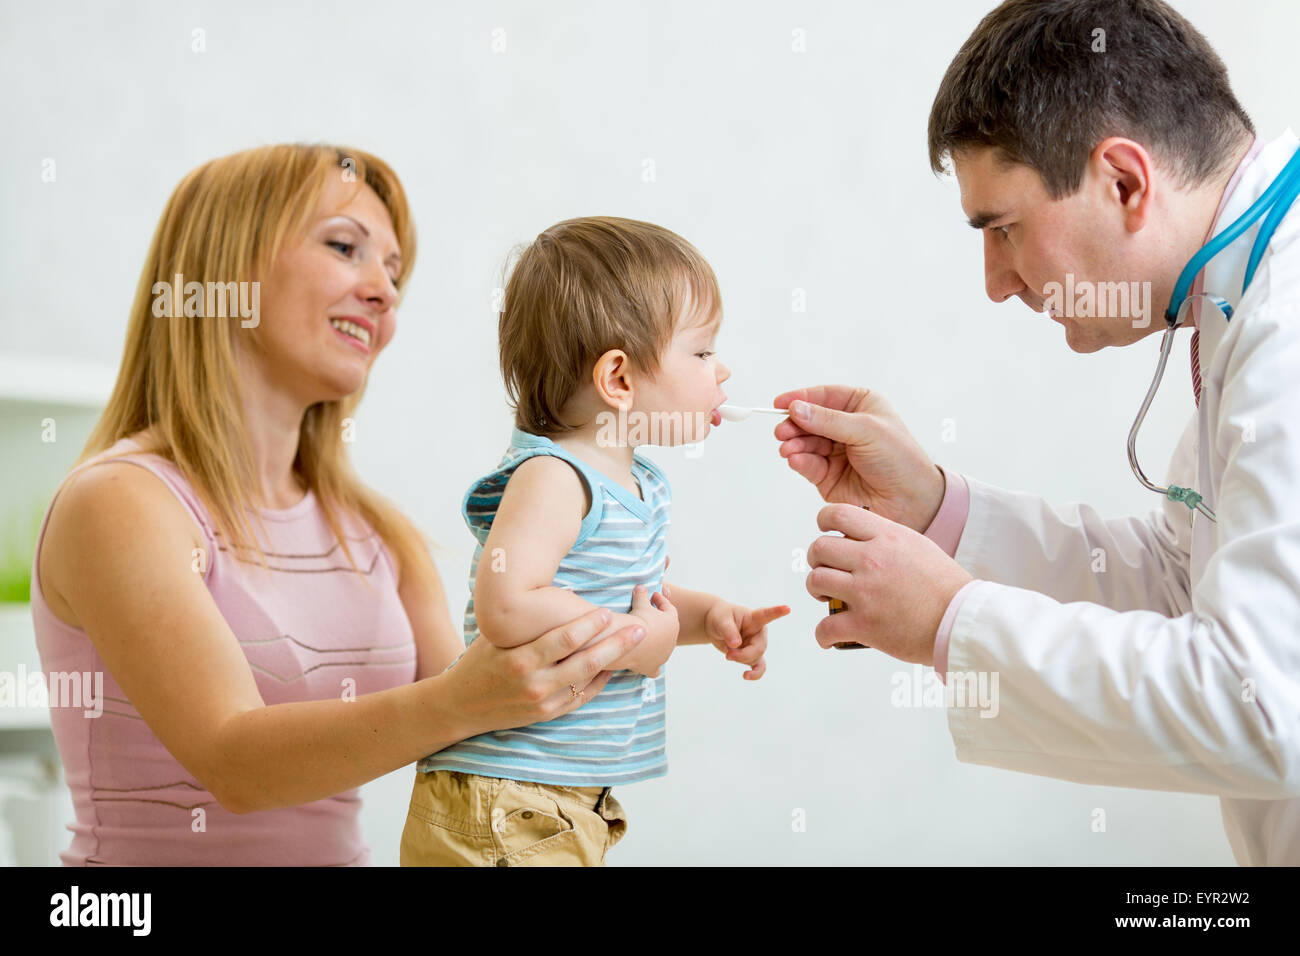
(1273, 204)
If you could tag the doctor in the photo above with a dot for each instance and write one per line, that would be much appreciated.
(1178, 666)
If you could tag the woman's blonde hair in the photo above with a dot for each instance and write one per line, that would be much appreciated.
(226, 222)
(583, 287)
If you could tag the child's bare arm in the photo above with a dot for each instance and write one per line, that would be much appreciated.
(735, 630)
(692, 609)
(536, 525)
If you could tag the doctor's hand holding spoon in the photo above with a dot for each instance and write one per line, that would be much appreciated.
(883, 492)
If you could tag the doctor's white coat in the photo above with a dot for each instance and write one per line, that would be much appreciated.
(1178, 666)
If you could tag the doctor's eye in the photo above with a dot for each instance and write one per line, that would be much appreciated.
(1002, 231)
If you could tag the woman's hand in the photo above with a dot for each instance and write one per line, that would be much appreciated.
(855, 449)
(493, 688)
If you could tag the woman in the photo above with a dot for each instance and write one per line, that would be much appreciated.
(272, 633)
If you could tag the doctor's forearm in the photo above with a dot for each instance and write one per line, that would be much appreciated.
(1070, 553)
(1132, 699)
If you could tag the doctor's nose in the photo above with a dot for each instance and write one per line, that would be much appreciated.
(1001, 281)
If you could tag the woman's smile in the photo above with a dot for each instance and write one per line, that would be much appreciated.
(354, 330)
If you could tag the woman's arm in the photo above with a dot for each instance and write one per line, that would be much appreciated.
(536, 524)
(438, 640)
(116, 562)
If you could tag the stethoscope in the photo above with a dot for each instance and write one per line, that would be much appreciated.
(1274, 203)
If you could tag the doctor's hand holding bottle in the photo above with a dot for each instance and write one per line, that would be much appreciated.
(895, 582)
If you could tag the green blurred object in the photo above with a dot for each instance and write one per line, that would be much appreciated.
(17, 551)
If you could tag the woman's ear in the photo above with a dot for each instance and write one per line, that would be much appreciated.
(612, 376)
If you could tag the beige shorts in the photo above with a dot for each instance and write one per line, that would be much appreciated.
(463, 819)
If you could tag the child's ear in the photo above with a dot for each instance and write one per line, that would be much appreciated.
(612, 377)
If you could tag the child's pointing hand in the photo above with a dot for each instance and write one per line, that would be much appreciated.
(741, 633)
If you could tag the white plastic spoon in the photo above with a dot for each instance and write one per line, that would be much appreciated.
(738, 413)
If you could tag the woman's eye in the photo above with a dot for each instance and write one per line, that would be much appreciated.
(347, 249)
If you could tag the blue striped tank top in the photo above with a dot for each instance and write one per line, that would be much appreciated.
(617, 736)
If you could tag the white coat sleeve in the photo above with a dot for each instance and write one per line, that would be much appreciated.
(1207, 701)
(1071, 553)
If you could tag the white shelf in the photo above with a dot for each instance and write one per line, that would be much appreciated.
(38, 379)
(18, 660)
(24, 718)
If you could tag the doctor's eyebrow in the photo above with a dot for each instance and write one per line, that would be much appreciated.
(982, 219)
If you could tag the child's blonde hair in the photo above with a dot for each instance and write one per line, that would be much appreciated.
(583, 287)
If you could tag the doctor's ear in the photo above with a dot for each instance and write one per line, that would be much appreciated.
(612, 376)
(1128, 174)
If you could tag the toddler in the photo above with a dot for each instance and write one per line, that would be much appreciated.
(607, 342)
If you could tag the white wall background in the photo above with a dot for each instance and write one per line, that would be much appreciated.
(789, 171)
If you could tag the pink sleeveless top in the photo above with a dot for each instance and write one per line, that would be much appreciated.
(311, 630)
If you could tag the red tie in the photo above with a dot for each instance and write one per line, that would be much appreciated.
(1196, 365)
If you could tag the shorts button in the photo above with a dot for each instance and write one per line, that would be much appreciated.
(527, 814)
(502, 862)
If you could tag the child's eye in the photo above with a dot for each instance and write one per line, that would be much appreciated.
(703, 354)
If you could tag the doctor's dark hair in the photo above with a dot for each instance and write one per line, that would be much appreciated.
(584, 287)
(1045, 81)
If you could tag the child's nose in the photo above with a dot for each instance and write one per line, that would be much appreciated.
(724, 373)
